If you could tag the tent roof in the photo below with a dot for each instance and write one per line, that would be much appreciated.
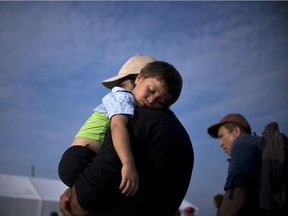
(30, 188)
(17, 186)
(48, 189)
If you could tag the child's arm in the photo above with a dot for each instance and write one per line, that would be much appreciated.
(121, 140)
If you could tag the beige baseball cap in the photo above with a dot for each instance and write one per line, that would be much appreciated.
(132, 66)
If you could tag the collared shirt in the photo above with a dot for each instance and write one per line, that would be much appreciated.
(118, 101)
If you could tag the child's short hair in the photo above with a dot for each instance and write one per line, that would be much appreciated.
(167, 75)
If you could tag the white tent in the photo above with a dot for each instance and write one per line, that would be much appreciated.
(27, 196)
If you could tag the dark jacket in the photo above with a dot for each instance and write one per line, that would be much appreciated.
(164, 159)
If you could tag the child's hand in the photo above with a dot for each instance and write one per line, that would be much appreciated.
(130, 180)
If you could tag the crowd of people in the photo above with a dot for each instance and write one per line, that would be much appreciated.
(127, 158)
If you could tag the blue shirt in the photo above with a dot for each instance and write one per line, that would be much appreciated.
(118, 101)
(244, 170)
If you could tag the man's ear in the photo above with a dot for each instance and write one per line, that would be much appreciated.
(237, 131)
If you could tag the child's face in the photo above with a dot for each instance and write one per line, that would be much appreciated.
(150, 93)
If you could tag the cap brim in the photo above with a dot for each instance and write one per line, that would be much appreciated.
(110, 84)
(213, 130)
(113, 81)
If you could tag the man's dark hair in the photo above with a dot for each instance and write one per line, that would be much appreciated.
(230, 126)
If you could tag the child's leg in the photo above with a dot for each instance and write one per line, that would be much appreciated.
(73, 162)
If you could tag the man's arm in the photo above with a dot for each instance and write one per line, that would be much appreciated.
(74, 205)
(232, 202)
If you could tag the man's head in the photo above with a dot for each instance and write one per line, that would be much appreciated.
(158, 85)
(228, 129)
(128, 72)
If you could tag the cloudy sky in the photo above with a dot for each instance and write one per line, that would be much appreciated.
(54, 55)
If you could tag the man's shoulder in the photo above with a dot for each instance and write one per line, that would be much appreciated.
(248, 138)
(154, 111)
(152, 115)
(156, 122)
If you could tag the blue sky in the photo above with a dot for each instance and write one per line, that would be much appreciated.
(54, 55)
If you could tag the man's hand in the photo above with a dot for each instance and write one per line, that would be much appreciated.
(69, 205)
(64, 204)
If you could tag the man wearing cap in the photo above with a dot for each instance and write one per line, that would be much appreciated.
(162, 152)
(119, 105)
(245, 151)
